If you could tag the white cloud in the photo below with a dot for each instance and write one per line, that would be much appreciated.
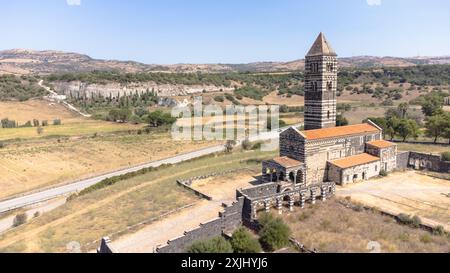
(73, 2)
(373, 2)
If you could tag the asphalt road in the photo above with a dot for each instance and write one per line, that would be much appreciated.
(45, 195)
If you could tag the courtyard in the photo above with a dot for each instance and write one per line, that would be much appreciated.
(410, 192)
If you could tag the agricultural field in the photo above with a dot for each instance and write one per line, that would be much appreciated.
(334, 228)
(115, 210)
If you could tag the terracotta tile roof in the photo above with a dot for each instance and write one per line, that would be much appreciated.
(381, 144)
(340, 131)
(355, 160)
(287, 162)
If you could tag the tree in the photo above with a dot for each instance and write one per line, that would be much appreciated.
(403, 109)
(229, 146)
(431, 105)
(274, 234)
(40, 130)
(243, 242)
(392, 124)
(437, 126)
(246, 144)
(407, 128)
(215, 245)
(341, 121)
(159, 118)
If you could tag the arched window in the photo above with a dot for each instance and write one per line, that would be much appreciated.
(330, 86)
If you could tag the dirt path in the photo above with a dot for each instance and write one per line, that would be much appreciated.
(55, 97)
(157, 234)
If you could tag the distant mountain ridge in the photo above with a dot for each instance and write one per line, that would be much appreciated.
(20, 61)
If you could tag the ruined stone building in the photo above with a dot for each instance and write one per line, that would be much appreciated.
(323, 152)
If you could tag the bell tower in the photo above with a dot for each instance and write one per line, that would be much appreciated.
(320, 85)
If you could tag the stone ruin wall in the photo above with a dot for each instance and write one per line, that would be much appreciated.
(420, 161)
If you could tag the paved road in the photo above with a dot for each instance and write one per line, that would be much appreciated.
(49, 194)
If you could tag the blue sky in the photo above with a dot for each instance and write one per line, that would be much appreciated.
(225, 31)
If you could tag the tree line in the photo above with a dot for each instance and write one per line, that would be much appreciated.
(398, 122)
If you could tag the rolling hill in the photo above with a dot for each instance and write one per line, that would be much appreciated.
(21, 62)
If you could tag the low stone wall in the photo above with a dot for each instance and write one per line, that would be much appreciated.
(187, 183)
(229, 220)
(261, 190)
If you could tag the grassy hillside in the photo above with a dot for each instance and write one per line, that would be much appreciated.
(19, 88)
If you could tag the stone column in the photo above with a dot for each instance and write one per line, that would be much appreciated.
(302, 199)
(280, 205)
(295, 178)
(267, 204)
(291, 203)
(313, 196)
(254, 211)
(333, 189)
(324, 193)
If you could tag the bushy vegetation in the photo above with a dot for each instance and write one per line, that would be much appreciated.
(9, 124)
(215, 245)
(19, 88)
(274, 234)
(446, 156)
(113, 180)
(20, 219)
(413, 221)
(251, 92)
(243, 242)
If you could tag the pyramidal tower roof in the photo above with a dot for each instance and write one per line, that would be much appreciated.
(321, 47)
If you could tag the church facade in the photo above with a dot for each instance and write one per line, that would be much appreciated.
(324, 153)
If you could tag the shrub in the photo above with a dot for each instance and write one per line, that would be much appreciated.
(409, 221)
(246, 144)
(383, 173)
(426, 239)
(341, 121)
(56, 122)
(214, 245)
(257, 146)
(2, 145)
(36, 214)
(439, 230)
(219, 98)
(274, 234)
(243, 242)
(20, 219)
(446, 156)
(44, 123)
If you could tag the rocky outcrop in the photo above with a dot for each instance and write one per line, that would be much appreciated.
(114, 89)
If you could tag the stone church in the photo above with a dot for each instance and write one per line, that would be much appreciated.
(324, 152)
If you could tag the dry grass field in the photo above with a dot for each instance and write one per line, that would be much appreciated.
(424, 148)
(333, 228)
(26, 166)
(112, 210)
(36, 109)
